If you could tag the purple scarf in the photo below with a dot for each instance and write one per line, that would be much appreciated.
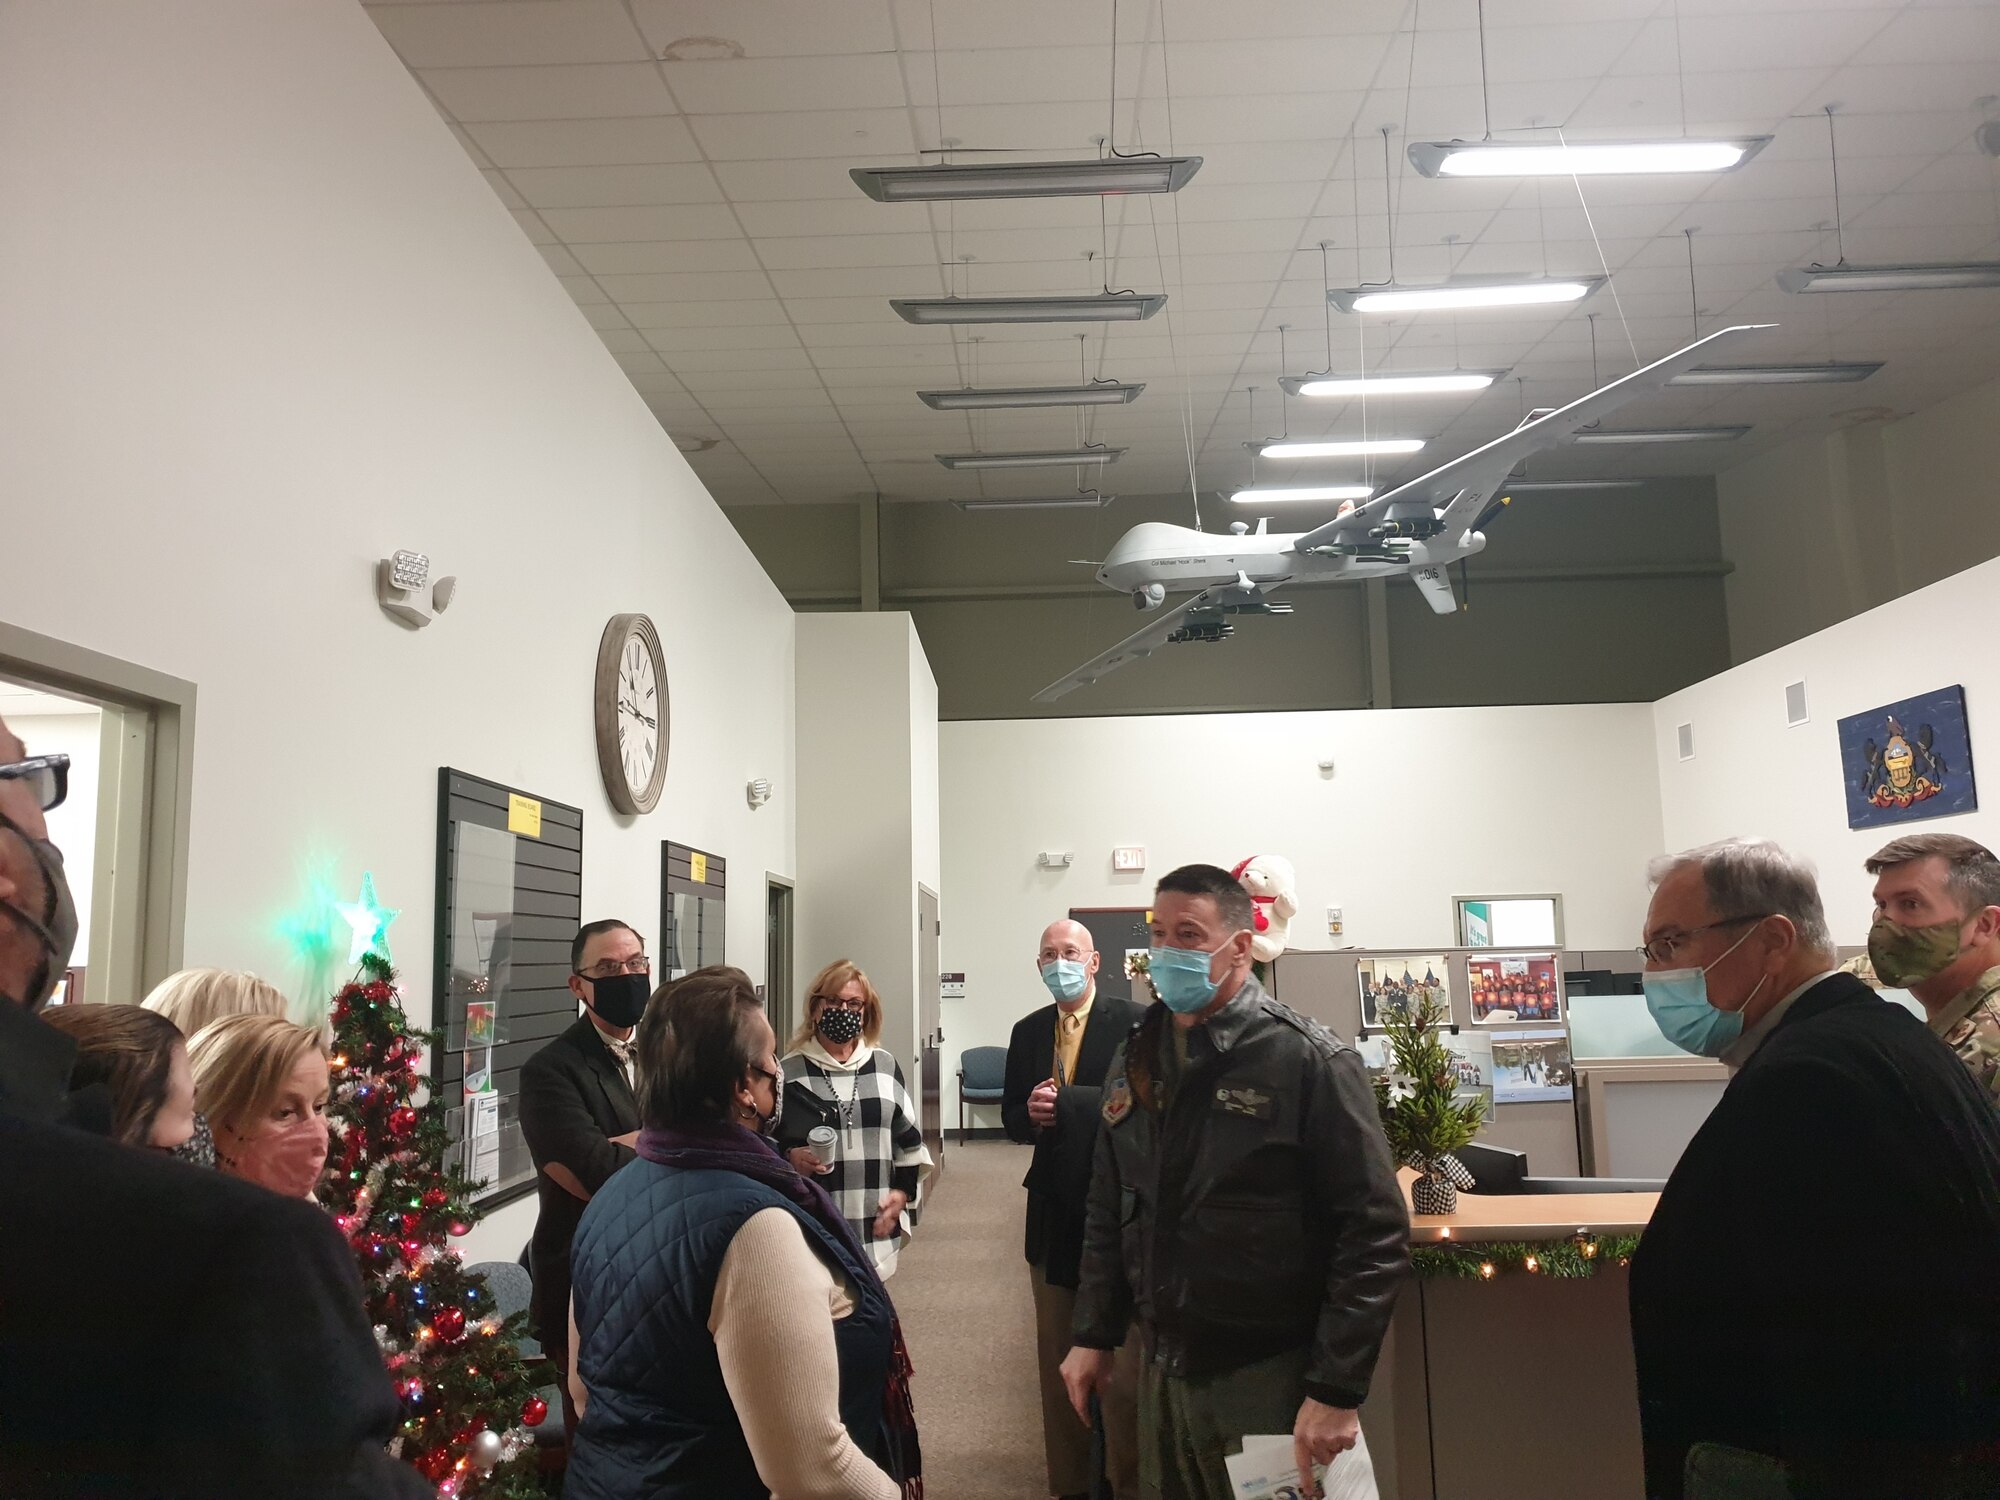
(731, 1148)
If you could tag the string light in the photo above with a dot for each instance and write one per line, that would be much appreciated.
(1486, 1269)
(1531, 1265)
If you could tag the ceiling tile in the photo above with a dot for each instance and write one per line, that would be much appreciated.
(852, 215)
(746, 313)
(770, 28)
(850, 135)
(500, 32)
(719, 286)
(614, 187)
(585, 91)
(638, 257)
(672, 341)
(775, 84)
(584, 143)
(848, 250)
(679, 221)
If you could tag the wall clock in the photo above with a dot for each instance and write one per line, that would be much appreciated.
(631, 710)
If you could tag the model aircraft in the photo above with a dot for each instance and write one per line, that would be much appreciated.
(1419, 528)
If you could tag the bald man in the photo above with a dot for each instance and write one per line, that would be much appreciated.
(1055, 1082)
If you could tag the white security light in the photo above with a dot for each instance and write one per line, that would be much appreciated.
(1466, 293)
(1095, 307)
(1584, 159)
(1086, 500)
(1096, 453)
(1664, 435)
(1113, 176)
(1450, 383)
(1306, 492)
(1288, 449)
(1831, 373)
(1912, 278)
(1098, 393)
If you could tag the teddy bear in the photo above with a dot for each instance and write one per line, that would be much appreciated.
(1273, 887)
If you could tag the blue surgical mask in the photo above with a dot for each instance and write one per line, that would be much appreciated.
(1181, 977)
(1678, 1000)
(1065, 978)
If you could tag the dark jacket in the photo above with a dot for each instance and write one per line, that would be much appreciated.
(170, 1333)
(574, 1099)
(661, 1422)
(1258, 1213)
(1821, 1280)
(1058, 1180)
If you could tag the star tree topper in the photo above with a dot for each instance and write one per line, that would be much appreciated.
(370, 920)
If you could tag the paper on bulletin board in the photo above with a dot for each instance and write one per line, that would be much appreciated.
(482, 1137)
(524, 815)
(698, 868)
(1266, 1470)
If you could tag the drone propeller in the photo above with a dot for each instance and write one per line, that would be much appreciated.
(1486, 516)
(1085, 562)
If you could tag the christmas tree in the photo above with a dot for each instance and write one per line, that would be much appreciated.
(468, 1400)
(1422, 1112)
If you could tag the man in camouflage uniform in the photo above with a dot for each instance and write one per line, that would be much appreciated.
(1937, 934)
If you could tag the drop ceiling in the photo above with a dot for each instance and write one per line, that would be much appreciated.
(682, 166)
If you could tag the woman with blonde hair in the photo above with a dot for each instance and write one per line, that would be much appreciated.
(194, 997)
(836, 1078)
(263, 1084)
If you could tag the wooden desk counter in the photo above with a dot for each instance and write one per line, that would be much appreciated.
(1534, 1216)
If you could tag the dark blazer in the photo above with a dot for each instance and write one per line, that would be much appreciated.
(574, 1098)
(1821, 1280)
(1058, 1180)
(171, 1333)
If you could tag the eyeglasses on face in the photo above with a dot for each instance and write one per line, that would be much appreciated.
(1661, 950)
(47, 777)
(610, 968)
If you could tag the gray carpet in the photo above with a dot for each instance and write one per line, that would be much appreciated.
(961, 1288)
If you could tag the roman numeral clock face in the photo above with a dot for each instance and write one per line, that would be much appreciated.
(631, 713)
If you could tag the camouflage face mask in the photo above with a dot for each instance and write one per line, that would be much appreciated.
(1904, 956)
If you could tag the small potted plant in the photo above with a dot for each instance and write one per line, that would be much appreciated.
(1423, 1114)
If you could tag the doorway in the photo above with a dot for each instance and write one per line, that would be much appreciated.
(123, 830)
(930, 1027)
(781, 997)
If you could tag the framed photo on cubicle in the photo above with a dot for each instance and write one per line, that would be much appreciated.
(1389, 985)
(509, 901)
(1511, 988)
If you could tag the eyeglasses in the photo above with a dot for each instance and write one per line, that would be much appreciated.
(47, 777)
(610, 968)
(835, 1000)
(1661, 950)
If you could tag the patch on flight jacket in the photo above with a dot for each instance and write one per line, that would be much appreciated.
(1255, 1104)
(1117, 1102)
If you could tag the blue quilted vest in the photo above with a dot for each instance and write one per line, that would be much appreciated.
(660, 1424)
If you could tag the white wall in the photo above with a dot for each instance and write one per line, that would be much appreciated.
(867, 716)
(1754, 775)
(265, 324)
(1424, 805)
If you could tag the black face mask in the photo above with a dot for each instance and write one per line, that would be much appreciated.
(620, 999)
(839, 1025)
(55, 930)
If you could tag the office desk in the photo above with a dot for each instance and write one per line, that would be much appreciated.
(1519, 1388)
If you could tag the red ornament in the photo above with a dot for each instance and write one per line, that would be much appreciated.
(534, 1411)
(403, 1121)
(435, 1197)
(458, 1229)
(450, 1324)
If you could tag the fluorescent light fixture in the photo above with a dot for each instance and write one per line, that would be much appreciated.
(1581, 159)
(1466, 293)
(1916, 278)
(1664, 435)
(1390, 385)
(1085, 500)
(1097, 453)
(1096, 307)
(1306, 492)
(1521, 486)
(1113, 176)
(1285, 448)
(1098, 393)
(1831, 373)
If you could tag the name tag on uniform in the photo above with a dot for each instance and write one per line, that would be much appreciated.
(1253, 1104)
(1117, 1102)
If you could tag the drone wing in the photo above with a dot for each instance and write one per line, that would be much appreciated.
(1205, 610)
(1457, 492)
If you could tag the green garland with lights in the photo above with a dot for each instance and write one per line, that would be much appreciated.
(1576, 1258)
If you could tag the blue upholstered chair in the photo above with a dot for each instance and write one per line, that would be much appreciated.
(982, 1076)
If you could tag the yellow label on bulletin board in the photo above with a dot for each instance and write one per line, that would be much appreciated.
(698, 868)
(524, 815)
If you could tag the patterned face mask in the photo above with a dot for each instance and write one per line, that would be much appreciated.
(1904, 956)
(838, 1024)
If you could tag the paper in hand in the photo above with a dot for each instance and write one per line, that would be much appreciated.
(1266, 1470)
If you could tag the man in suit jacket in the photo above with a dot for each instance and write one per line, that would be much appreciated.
(169, 1333)
(1816, 1302)
(579, 1116)
(1055, 1082)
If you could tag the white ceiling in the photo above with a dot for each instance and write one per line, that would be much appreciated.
(18, 702)
(682, 165)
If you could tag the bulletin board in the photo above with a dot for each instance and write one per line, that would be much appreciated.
(509, 902)
(694, 909)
